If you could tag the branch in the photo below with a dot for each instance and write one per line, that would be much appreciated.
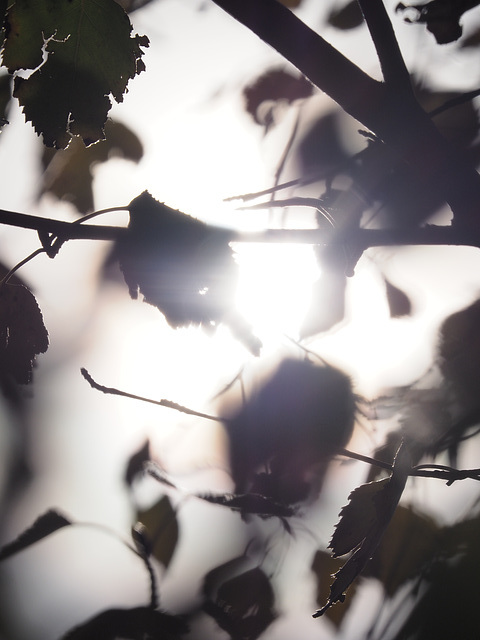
(391, 60)
(161, 403)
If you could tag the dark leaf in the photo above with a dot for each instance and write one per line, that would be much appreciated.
(347, 17)
(68, 172)
(90, 54)
(22, 332)
(398, 301)
(271, 87)
(362, 523)
(161, 529)
(135, 466)
(442, 17)
(298, 419)
(141, 623)
(5, 97)
(183, 267)
(324, 566)
(43, 526)
(243, 605)
(250, 504)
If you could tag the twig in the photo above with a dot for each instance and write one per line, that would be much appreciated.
(162, 403)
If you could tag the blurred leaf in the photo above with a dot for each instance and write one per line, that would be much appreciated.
(347, 17)
(68, 173)
(250, 504)
(243, 605)
(459, 353)
(183, 267)
(22, 332)
(408, 545)
(398, 301)
(362, 523)
(5, 97)
(136, 462)
(272, 87)
(130, 624)
(324, 567)
(90, 54)
(442, 17)
(43, 526)
(472, 41)
(160, 522)
(299, 418)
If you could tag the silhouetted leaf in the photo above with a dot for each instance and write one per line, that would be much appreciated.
(362, 523)
(68, 172)
(5, 97)
(43, 526)
(299, 418)
(243, 605)
(183, 267)
(22, 332)
(324, 566)
(90, 54)
(136, 462)
(442, 17)
(161, 529)
(250, 504)
(271, 87)
(398, 301)
(347, 17)
(141, 623)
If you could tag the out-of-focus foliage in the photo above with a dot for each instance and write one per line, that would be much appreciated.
(442, 17)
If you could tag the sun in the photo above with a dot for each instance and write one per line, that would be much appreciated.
(275, 286)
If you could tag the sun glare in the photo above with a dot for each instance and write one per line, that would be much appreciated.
(275, 286)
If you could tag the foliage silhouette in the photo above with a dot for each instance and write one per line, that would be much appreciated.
(287, 432)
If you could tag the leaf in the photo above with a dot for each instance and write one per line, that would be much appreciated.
(442, 17)
(324, 566)
(90, 54)
(362, 524)
(272, 87)
(347, 17)
(68, 172)
(43, 526)
(250, 504)
(5, 97)
(183, 267)
(136, 462)
(22, 332)
(139, 623)
(161, 529)
(410, 542)
(398, 301)
(296, 420)
(243, 605)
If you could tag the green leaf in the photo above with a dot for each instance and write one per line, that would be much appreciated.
(68, 172)
(46, 524)
(161, 529)
(90, 54)
(5, 97)
(324, 566)
(363, 522)
(22, 332)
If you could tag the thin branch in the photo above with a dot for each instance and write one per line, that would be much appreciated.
(162, 403)
(391, 60)
(14, 269)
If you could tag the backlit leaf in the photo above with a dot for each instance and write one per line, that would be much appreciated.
(324, 566)
(90, 54)
(68, 173)
(161, 529)
(183, 267)
(22, 332)
(43, 526)
(5, 97)
(347, 17)
(135, 466)
(375, 503)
